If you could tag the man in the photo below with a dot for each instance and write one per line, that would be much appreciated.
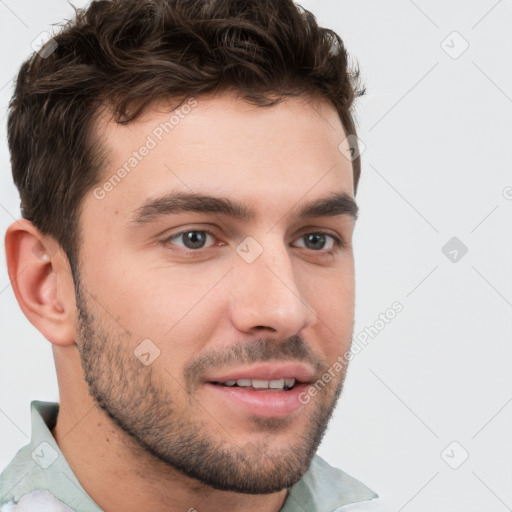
(187, 173)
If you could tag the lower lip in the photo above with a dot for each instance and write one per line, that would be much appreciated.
(265, 404)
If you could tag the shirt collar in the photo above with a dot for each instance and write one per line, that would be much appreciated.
(322, 488)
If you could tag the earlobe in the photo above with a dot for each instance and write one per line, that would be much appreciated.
(42, 282)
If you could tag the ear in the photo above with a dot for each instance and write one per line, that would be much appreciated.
(42, 282)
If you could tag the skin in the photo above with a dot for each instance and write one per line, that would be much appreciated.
(136, 284)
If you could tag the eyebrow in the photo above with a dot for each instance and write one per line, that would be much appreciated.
(179, 202)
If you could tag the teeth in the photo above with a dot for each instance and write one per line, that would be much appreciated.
(262, 384)
(276, 384)
(259, 384)
(289, 382)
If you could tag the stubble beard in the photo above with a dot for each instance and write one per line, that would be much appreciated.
(138, 400)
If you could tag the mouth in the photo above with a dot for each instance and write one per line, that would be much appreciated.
(265, 376)
(260, 384)
(267, 391)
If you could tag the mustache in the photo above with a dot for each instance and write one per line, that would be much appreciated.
(259, 350)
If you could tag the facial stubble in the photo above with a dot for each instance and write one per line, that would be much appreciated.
(138, 400)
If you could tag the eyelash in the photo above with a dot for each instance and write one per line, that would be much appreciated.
(338, 242)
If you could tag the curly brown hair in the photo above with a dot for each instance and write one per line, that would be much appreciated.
(126, 54)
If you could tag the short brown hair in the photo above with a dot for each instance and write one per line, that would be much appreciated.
(125, 54)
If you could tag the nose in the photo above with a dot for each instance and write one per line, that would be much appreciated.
(266, 294)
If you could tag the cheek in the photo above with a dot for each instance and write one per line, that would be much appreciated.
(334, 305)
(170, 305)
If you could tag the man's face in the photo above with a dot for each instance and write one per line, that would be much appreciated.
(177, 304)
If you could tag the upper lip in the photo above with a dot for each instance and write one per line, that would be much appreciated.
(267, 371)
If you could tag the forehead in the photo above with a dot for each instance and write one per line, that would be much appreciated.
(223, 145)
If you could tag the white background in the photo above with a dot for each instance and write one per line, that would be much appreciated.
(438, 136)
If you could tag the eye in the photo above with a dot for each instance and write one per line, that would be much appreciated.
(193, 239)
(317, 241)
